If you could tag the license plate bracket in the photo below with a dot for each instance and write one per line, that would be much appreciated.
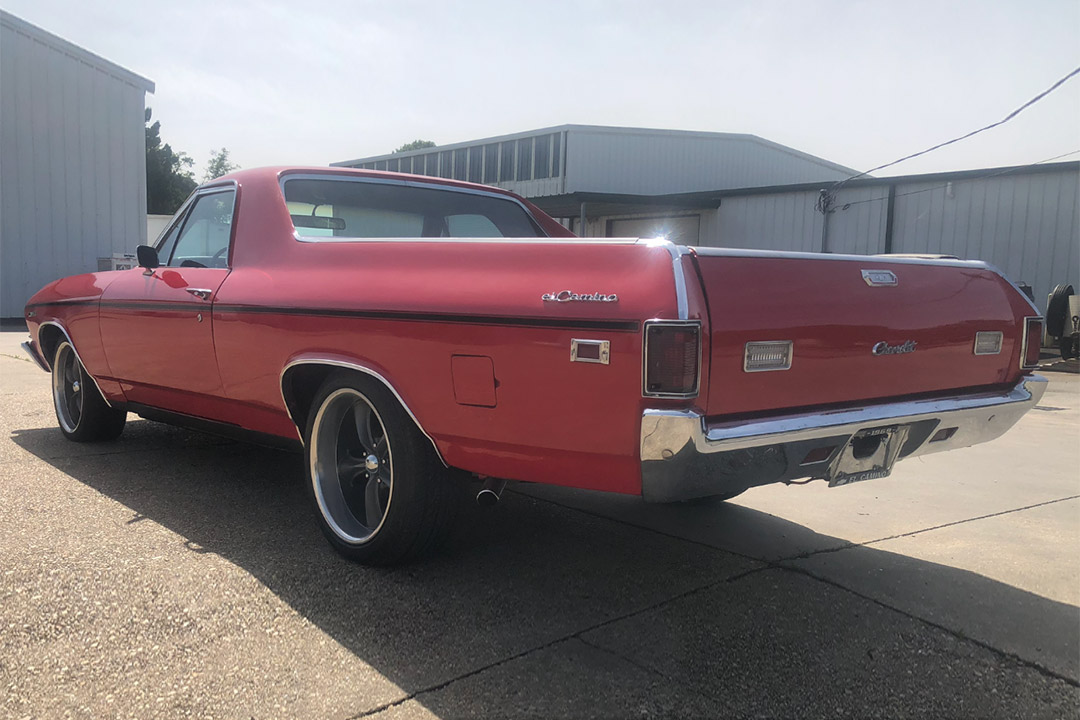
(868, 455)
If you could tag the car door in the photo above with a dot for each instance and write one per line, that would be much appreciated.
(157, 327)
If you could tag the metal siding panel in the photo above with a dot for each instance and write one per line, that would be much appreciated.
(10, 257)
(69, 134)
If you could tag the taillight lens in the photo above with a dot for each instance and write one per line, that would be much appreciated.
(672, 356)
(1033, 332)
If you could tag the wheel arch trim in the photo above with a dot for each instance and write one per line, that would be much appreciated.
(67, 336)
(332, 362)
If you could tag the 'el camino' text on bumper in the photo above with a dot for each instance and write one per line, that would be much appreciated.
(682, 457)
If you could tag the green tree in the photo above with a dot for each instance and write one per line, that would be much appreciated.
(415, 145)
(168, 174)
(219, 165)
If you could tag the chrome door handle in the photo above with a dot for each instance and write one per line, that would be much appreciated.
(201, 293)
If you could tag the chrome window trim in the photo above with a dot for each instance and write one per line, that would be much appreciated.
(337, 177)
(181, 214)
(645, 356)
(71, 342)
(1024, 340)
(1000, 341)
(746, 355)
(350, 366)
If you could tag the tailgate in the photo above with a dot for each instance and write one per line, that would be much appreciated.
(853, 339)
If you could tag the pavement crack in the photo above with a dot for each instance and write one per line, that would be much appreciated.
(943, 628)
(850, 545)
(16, 357)
(576, 635)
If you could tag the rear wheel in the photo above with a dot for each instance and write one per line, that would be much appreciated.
(382, 494)
(82, 412)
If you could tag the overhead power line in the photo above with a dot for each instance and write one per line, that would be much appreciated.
(825, 200)
(969, 178)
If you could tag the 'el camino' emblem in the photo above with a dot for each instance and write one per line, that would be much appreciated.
(879, 278)
(884, 348)
(567, 296)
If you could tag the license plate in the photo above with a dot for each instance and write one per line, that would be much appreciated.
(870, 454)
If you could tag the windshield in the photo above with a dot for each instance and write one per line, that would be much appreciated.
(349, 208)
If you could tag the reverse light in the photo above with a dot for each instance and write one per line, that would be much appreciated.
(765, 356)
(988, 343)
(672, 358)
(1032, 342)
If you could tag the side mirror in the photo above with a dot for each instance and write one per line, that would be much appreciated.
(147, 257)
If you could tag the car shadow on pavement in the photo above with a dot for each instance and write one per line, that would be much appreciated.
(532, 608)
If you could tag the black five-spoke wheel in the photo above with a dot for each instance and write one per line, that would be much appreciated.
(382, 494)
(82, 412)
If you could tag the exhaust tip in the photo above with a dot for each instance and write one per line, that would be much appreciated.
(491, 492)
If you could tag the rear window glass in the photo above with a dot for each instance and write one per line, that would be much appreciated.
(360, 209)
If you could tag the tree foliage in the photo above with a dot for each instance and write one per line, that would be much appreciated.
(168, 174)
(415, 145)
(219, 165)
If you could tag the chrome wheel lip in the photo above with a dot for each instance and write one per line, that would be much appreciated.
(323, 467)
(64, 393)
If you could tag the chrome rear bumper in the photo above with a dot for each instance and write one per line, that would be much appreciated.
(682, 457)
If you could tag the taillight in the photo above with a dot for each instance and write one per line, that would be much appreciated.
(672, 358)
(1032, 343)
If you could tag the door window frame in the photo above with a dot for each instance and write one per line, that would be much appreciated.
(167, 237)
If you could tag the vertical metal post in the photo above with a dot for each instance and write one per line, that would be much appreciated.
(890, 210)
(826, 204)
(581, 223)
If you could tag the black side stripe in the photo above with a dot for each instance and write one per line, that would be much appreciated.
(509, 321)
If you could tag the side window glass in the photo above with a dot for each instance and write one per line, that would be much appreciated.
(471, 226)
(204, 235)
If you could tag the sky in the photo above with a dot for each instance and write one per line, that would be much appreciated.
(858, 83)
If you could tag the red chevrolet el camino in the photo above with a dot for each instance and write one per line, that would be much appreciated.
(406, 330)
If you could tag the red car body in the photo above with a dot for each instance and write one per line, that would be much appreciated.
(475, 339)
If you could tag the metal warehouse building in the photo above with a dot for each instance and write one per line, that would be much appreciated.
(72, 161)
(734, 190)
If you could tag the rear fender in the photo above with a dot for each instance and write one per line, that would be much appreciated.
(302, 376)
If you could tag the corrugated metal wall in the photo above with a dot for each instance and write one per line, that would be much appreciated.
(72, 162)
(1025, 223)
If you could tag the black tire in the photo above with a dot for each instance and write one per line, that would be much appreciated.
(1057, 311)
(83, 415)
(714, 499)
(381, 493)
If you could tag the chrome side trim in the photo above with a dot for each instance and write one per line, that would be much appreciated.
(682, 457)
(36, 357)
(75, 350)
(750, 253)
(351, 366)
(677, 252)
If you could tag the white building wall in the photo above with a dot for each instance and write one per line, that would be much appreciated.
(72, 161)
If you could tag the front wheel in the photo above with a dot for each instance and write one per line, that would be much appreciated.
(382, 494)
(82, 412)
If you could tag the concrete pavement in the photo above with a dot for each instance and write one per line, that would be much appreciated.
(172, 574)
